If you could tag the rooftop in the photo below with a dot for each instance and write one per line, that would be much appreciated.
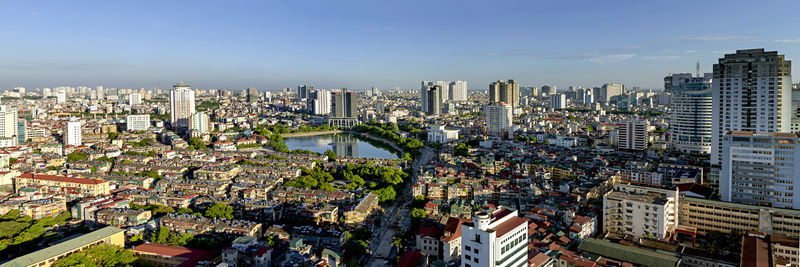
(63, 247)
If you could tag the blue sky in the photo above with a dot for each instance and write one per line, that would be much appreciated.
(358, 44)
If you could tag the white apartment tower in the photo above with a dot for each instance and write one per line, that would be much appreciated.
(319, 102)
(61, 96)
(458, 91)
(640, 211)
(181, 106)
(499, 118)
(134, 99)
(632, 135)
(72, 133)
(199, 124)
(140, 122)
(8, 126)
(761, 169)
(499, 238)
(424, 93)
(751, 91)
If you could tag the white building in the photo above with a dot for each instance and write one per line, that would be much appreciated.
(640, 211)
(61, 96)
(140, 122)
(458, 91)
(604, 94)
(319, 102)
(134, 99)
(499, 118)
(690, 116)
(199, 124)
(558, 101)
(8, 126)
(751, 91)
(761, 169)
(632, 135)
(181, 106)
(496, 239)
(72, 132)
(438, 134)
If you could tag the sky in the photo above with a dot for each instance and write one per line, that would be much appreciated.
(359, 44)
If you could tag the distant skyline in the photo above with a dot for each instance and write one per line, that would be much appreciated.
(359, 44)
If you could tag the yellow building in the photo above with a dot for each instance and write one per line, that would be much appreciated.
(362, 210)
(712, 215)
(85, 187)
(47, 256)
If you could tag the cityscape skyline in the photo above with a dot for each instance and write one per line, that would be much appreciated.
(360, 44)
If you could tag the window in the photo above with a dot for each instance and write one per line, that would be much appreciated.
(476, 260)
(467, 248)
(467, 256)
(476, 251)
(477, 238)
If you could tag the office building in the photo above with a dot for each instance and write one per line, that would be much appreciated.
(751, 91)
(8, 126)
(181, 106)
(499, 238)
(134, 99)
(690, 116)
(199, 124)
(604, 94)
(640, 211)
(72, 133)
(675, 80)
(135, 123)
(761, 169)
(438, 134)
(457, 91)
(548, 89)
(506, 92)
(424, 90)
(434, 99)
(705, 215)
(319, 102)
(252, 94)
(498, 118)
(632, 135)
(375, 91)
(303, 90)
(22, 131)
(47, 256)
(345, 109)
(558, 101)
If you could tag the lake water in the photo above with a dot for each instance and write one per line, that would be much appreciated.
(344, 145)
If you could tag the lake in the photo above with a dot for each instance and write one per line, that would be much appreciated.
(344, 145)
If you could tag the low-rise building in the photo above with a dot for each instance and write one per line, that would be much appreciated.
(47, 256)
(164, 255)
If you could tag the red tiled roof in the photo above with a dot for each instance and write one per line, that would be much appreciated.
(453, 226)
(509, 225)
(431, 231)
(192, 256)
(61, 178)
(410, 259)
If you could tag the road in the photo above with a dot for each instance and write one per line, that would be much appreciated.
(397, 215)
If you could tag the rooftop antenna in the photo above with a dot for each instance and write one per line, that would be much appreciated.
(698, 69)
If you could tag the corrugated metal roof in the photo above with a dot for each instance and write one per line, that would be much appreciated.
(630, 254)
(63, 247)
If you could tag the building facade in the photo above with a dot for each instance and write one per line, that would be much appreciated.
(498, 118)
(632, 135)
(690, 116)
(640, 211)
(438, 134)
(751, 91)
(8, 126)
(761, 169)
(499, 238)
(72, 133)
(181, 106)
(558, 101)
(506, 92)
(136, 123)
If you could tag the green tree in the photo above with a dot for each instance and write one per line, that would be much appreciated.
(99, 255)
(331, 155)
(220, 210)
(76, 156)
(419, 214)
(386, 193)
